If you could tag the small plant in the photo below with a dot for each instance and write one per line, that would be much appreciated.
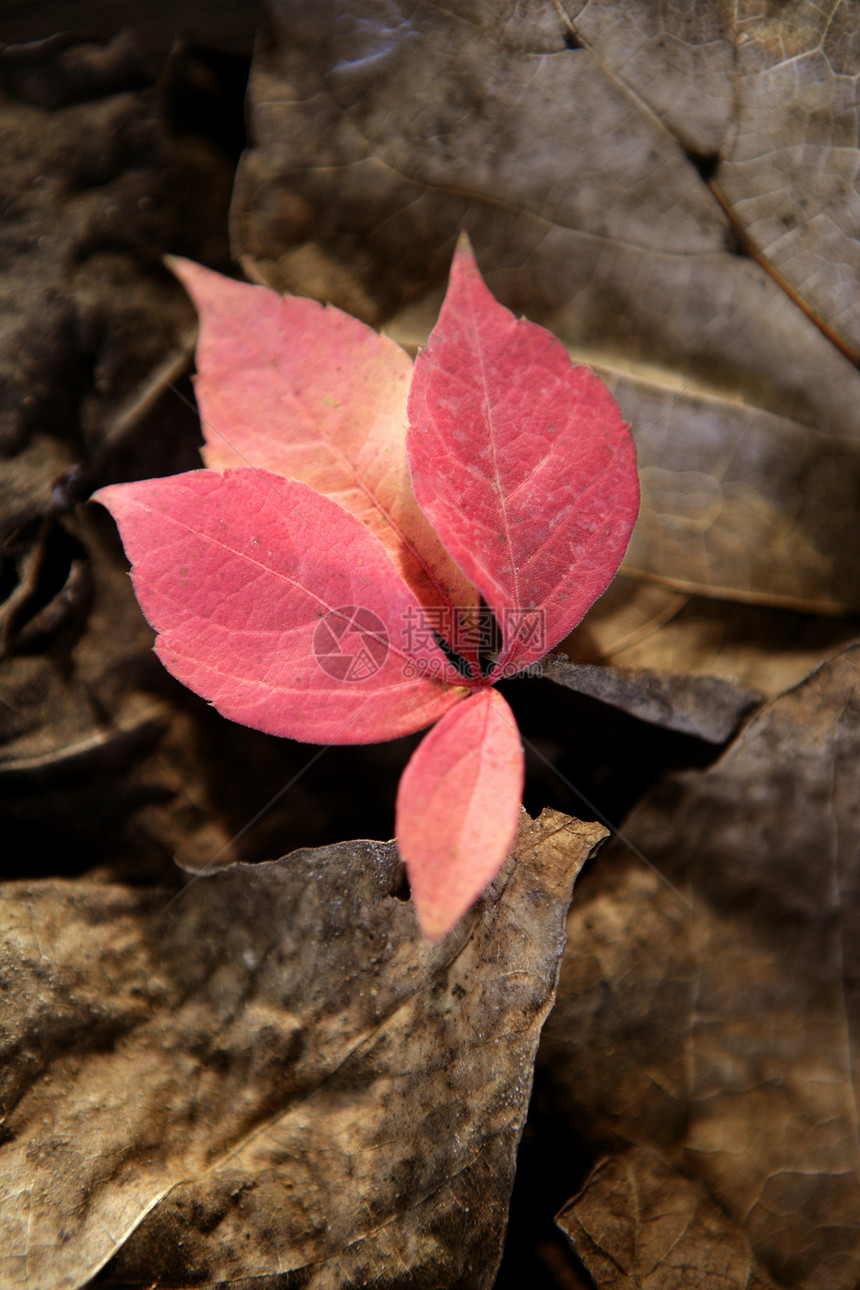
(375, 543)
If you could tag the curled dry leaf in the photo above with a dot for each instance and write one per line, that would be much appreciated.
(707, 707)
(100, 183)
(718, 1021)
(283, 1080)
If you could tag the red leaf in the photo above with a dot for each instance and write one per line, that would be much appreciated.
(458, 807)
(302, 389)
(239, 573)
(289, 599)
(521, 462)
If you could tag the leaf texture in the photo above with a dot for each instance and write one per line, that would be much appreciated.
(639, 1224)
(283, 1082)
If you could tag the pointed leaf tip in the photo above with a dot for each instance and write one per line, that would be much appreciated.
(464, 251)
(458, 808)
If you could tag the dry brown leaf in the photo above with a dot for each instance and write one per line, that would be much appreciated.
(766, 97)
(378, 135)
(94, 744)
(717, 1018)
(273, 1074)
(101, 182)
(639, 1224)
(735, 499)
(707, 707)
(157, 25)
(640, 625)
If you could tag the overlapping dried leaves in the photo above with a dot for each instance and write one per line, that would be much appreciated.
(272, 1079)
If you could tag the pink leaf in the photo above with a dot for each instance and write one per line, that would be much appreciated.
(522, 463)
(305, 390)
(251, 581)
(458, 807)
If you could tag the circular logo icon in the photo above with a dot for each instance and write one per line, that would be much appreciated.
(351, 643)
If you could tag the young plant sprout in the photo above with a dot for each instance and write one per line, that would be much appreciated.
(374, 543)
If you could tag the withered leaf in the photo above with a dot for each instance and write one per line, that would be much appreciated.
(735, 498)
(157, 26)
(764, 97)
(91, 747)
(708, 707)
(638, 1222)
(99, 185)
(377, 140)
(640, 625)
(273, 1076)
(716, 1018)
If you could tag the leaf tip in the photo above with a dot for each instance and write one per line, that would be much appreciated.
(463, 261)
(435, 926)
(111, 498)
(187, 271)
(200, 283)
